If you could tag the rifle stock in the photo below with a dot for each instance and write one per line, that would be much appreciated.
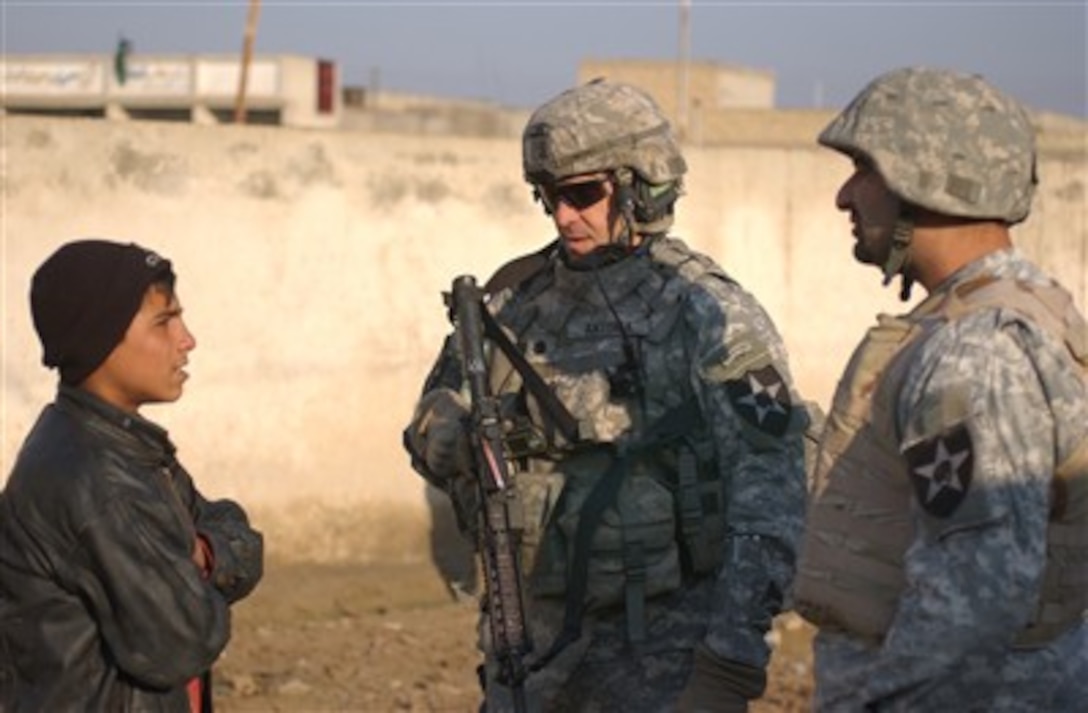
(500, 512)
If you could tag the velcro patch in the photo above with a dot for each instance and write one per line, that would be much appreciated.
(941, 469)
(762, 399)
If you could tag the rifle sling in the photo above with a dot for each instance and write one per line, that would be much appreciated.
(673, 425)
(553, 408)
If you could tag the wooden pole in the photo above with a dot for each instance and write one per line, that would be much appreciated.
(247, 55)
(683, 88)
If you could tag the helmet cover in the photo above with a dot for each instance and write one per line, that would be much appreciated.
(600, 126)
(948, 142)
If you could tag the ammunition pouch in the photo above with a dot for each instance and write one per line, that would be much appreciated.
(666, 520)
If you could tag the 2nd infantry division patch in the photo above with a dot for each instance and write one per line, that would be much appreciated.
(940, 469)
(762, 399)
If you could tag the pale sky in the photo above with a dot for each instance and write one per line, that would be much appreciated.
(522, 53)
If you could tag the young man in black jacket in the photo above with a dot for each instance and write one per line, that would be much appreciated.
(116, 574)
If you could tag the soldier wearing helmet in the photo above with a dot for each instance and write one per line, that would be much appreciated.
(660, 530)
(945, 554)
(611, 140)
(941, 145)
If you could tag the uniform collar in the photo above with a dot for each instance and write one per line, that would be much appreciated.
(996, 263)
(999, 263)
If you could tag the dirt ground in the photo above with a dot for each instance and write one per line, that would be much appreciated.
(389, 637)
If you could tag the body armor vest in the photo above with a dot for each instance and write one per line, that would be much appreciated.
(850, 576)
(643, 468)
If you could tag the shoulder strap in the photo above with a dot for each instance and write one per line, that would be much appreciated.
(520, 269)
(1050, 306)
(674, 424)
(553, 408)
(514, 273)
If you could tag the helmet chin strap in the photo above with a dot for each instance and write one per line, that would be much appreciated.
(898, 262)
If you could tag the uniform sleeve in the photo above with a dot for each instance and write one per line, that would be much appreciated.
(978, 434)
(742, 380)
(162, 623)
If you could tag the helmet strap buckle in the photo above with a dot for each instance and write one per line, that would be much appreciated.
(899, 253)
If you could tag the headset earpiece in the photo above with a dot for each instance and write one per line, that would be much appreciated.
(654, 202)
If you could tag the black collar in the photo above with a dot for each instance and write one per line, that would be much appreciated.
(120, 424)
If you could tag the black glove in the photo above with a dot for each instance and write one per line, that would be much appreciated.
(446, 447)
(719, 685)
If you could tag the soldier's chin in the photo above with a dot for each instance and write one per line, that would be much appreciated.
(865, 256)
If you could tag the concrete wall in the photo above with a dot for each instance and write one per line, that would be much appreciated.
(399, 112)
(311, 265)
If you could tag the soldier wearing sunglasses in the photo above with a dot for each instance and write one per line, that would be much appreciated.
(655, 436)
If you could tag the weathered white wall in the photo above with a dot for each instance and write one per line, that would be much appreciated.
(311, 264)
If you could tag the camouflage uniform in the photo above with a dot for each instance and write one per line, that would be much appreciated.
(697, 545)
(945, 556)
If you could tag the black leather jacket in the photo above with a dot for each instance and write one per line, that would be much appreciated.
(101, 605)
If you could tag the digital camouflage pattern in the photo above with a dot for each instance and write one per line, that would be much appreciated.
(621, 346)
(600, 126)
(995, 390)
(942, 140)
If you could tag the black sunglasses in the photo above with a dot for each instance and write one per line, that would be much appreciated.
(577, 195)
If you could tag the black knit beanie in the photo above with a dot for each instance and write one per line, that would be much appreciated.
(84, 297)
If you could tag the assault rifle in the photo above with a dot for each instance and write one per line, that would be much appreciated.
(500, 514)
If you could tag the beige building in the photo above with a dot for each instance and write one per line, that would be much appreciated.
(691, 93)
(284, 90)
(714, 104)
(727, 105)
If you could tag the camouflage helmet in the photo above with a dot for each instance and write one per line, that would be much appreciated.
(945, 141)
(600, 126)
